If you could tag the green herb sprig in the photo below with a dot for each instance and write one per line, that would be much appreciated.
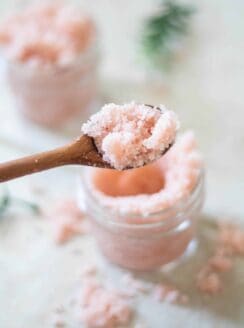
(6, 201)
(164, 30)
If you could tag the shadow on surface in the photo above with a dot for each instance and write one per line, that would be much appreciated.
(228, 304)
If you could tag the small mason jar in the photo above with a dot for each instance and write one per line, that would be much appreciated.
(144, 246)
(55, 95)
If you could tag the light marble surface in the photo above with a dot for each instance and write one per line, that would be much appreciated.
(206, 89)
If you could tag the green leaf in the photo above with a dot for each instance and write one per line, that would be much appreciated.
(30, 205)
(4, 201)
(161, 31)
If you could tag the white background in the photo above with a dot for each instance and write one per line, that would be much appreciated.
(205, 89)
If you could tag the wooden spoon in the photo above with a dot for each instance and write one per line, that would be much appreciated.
(82, 151)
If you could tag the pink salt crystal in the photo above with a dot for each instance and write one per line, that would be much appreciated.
(159, 293)
(184, 299)
(90, 285)
(232, 237)
(238, 242)
(132, 135)
(230, 241)
(67, 220)
(134, 285)
(220, 263)
(172, 296)
(57, 320)
(169, 294)
(88, 270)
(4, 37)
(209, 281)
(103, 308)
(163, 132)
(58, 323)
(225, 233)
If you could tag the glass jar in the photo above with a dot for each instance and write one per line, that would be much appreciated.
(144, 246)
(53, 96)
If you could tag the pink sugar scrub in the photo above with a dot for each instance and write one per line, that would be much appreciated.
(230, 243)
(51, 60)
(209, 281)
(67, 221)
(46, 34)
(132, 135)
(170, 294)
(152, 188)
(102, 307)
(144, 218)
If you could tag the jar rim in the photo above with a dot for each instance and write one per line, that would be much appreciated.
(181, 205)
(90, 52)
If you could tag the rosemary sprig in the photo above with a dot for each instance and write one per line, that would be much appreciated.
(6, 200)
(164, 31)
(29, 205)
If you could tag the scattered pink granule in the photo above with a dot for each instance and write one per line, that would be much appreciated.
(220, 263)
(102, 307)
(223, 251)
(133, 285)
(47, 33)
(88, 270)
(67, 220)
(170, 294)
(131, 135)
(58, 322)
(232, 237)
(209, 281)
(230, 242)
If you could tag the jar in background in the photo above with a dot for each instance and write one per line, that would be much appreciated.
(144, 246)
(51, 55)
(53, 96)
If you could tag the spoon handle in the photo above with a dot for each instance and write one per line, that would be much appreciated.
(81, 152)
(33, 164)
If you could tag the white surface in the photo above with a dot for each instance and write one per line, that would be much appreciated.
(206, 90)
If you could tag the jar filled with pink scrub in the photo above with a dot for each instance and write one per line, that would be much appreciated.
(145, 218)
(51, 56)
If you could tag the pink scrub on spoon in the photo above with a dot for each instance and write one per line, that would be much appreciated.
(145, 217)
(132, 135)
(50, 51)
